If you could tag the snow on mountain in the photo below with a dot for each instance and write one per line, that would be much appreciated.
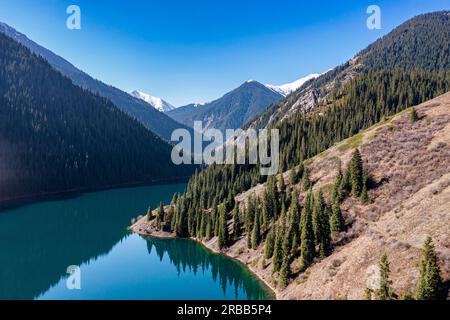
(288, 88)
(155, 102)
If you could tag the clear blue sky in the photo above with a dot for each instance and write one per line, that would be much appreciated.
(196, 50)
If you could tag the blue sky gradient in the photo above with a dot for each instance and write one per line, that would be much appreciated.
(196, 50)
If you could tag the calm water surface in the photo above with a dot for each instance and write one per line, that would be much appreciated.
(39, 241)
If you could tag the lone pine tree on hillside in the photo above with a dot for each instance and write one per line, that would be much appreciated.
(307, 234)
(385, 291)
(356, 173)
(430, 282)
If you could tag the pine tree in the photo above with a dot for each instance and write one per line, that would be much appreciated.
(270, 244)
(346, 185)
(281, 184)
(385, 291)
(229, 203)
(319, 206)
(300, 171)
(356, 173)
(208, 231)
(161, 212)
(306, 182)
(169, 218)
(216, 215)
(294, 178)
(430, 282)
(307, 235)
(325, 233)
(256, 233)
(202, 231)
(278, 251)
(267, 209)
(295, 243)
(285, 272)
(223, 228)
(336, 220)
(236, 222)
(287, 243)
(159, 219)
(338, 187)
(149, 214)
(294, 221)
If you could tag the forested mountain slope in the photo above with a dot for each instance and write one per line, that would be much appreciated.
(422, 43)
(55, 136)
(319, 230)
(407, 161)
(151, 118)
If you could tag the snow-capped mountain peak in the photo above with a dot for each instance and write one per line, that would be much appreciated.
(155, 102)
(288, 88)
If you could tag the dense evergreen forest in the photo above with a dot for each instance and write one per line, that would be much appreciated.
(55, 136)
(419, 43)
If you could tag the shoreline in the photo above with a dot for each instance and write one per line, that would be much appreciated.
(9, 203)
(141, 227)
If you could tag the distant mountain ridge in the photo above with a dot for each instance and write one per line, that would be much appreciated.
(151, 118)
(156, 102)
(419, 43)
(230, 111)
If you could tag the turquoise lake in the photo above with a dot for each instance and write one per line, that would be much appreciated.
(39, 241)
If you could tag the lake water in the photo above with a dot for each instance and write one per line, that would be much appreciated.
(39, 241)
